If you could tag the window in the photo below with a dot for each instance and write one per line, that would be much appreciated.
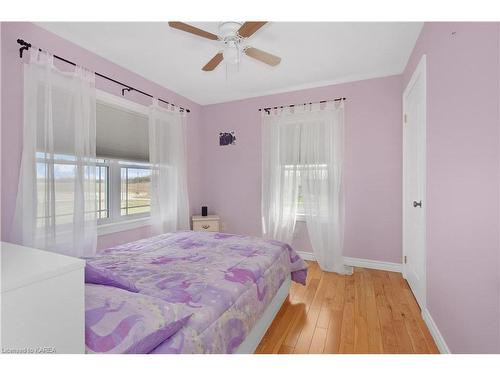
(130, 192)
(135, 190)
(124, 172)
(64, 169)
(124, 190)
(64, 172)
(122, 169)
(317, 170)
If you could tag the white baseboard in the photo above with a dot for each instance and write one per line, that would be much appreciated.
(436, 335)
(359, 262)
(374, 264)
(306, 255)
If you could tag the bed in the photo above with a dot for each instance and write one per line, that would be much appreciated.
(225, 288)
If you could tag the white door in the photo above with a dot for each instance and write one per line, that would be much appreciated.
(414, 172)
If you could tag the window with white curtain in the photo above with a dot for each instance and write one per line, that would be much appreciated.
(55, 202)
(124, 171)
(86, 156)
(302, 163)
(64, 167)
(320, 170)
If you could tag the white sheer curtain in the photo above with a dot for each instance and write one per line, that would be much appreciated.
(167, 155)
(304, 146)
(280, 159)
(321, 159)
(56, 199)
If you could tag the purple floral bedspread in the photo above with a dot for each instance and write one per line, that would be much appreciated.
(119, 321)
(225, 281)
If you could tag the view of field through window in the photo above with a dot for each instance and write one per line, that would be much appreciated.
(134, 190)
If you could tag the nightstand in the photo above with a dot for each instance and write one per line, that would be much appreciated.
(210, 223)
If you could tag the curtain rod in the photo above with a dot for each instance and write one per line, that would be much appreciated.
(268, 109)
(26, 46)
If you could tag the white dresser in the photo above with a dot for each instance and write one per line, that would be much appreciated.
(42, 301)
(210, 223)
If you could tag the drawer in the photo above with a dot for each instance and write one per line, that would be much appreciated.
(206, 226)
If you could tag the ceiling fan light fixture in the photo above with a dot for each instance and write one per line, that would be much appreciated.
(233, 37)
(231, 53)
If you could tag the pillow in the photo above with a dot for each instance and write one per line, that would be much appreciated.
(103, 276)
(118, 321)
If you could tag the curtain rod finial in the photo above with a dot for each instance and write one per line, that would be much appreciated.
(25, 47)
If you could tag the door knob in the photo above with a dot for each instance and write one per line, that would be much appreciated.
(417, 204)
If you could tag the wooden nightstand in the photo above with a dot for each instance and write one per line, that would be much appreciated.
(210, 223)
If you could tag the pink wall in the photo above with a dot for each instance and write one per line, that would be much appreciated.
(462, 181)
(232, 174)
(12, 112)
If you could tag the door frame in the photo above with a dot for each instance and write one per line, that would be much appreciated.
(420, 72)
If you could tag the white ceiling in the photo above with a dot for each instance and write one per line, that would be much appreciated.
(313, 54)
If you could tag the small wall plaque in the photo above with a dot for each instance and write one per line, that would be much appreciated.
(226, 139)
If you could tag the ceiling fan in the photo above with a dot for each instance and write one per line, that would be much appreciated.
(232, 36)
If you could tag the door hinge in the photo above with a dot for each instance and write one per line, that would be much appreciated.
(405, 118)
(405, 259)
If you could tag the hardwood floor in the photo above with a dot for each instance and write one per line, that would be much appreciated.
(370, 311)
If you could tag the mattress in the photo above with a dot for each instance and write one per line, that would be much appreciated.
(224, 281)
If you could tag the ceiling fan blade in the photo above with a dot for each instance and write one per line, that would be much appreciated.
(193, 30)
(248, 28)
(212, 64)
(260, 55)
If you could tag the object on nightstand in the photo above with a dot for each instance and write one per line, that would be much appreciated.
(210, 223)
(204, 210)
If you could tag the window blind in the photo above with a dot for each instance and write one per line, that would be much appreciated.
(121, 133)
